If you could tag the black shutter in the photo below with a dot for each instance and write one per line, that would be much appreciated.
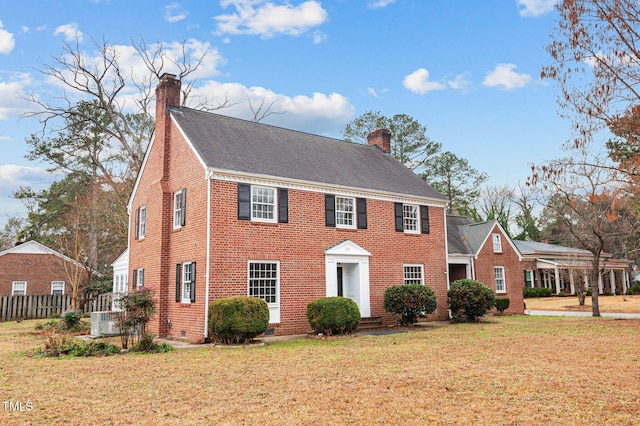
(361, 204)
(424, 217)
(330, 210)
(399, 217)
(178, 279)
(136, 233)
(193, 282)
(244, 201)
(183, 207)
(283, 205)
(134, 282)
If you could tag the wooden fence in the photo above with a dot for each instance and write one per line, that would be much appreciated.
(36, 306)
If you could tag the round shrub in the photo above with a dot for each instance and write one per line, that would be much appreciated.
(502, 304)
(635, 289)
(333, 315)
(469, 300)
(238, 319)
(409, 302)
(71, 319)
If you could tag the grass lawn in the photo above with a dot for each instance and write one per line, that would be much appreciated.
(608, 304)
(504, 370)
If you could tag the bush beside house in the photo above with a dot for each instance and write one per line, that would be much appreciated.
(469, 300)
(238, 319)
(333, 315)
(409, 302)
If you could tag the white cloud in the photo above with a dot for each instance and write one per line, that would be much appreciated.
(12, 102)
(379, 4)
(266, 19)
(535, 8)
(504, 76)
(460, 82)
(7, 42)
(12, 175)
(319, 113)
(70, 32)
(174, 13)
(418, 82)
(5, 138)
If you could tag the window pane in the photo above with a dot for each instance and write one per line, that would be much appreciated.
(263, 281)
(410, 217)
(413, 274)
(177, 209)
(262, 203)
(344, 212)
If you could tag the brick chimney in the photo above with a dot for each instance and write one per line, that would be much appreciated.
(380, 138)
(167, 95)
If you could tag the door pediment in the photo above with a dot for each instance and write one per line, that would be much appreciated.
(346, 248)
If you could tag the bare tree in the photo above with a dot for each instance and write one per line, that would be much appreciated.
(588, 206)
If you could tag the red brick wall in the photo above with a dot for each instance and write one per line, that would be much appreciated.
(513, 271)
(38, 270)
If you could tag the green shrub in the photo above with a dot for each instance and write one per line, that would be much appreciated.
(545, 292)
(238, 319)
(528, 292)
(502, 304)
(606, 293)
(589, 292)
(562, 294)
(57, 345)
(71, 319)
(147, 345)
(333, 315)
(409, 302)
(55, 316)
(634, 289)
(469, 300)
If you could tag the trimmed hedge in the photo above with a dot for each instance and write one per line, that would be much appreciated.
(238, 319)
(333, 315)
(502, 304)
(536, 292)
(634, 289)
(469, 300)
(409, 302)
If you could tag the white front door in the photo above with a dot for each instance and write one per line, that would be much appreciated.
(347, 274)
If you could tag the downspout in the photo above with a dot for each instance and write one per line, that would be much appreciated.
(208, 260)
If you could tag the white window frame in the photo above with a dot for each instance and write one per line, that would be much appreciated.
(250, 279)
(497, 243)
(177, 209)
(142, 225)
(408, 273)
(499, 279)
(59, 285)
(187, 280)
(15, 284)
(343, 214)
(529, 279)
(255, 191)
(140, 278)
(411, 218)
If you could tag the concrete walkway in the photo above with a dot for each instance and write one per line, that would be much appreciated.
(580, 314)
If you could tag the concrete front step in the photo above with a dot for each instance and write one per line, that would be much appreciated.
(371, 323)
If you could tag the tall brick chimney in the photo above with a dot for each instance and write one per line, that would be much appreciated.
(380, 138)
(167, 95)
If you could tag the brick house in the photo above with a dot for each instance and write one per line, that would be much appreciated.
(225, 207)
(32, 268)
(484, 252)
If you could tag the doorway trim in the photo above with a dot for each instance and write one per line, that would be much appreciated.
(349, 253)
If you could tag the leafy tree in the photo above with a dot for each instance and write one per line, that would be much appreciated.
(454, 178)
(409, 142)
(9, 234)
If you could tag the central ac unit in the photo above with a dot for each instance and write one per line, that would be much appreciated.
(103, 324)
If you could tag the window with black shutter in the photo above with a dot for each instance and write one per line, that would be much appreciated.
(424, 218)
(330, 210)
(361, 206)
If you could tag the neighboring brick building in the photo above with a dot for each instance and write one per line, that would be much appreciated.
(226, 207)
(32, 268)
(484, 252)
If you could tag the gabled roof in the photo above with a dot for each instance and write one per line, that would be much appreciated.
(231, 144)
(34, 247)
(466, 237)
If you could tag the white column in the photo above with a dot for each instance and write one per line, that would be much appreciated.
(571, 283)
(625, 281)
(600, 287)
(557, 280)
(612, 278)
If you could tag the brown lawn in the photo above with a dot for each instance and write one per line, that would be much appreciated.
(504, 370)
(608, 304)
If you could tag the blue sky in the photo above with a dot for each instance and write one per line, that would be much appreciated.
(469, 70)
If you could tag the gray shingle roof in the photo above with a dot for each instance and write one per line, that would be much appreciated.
(532, 248)
(244, 146)
(465, 236)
